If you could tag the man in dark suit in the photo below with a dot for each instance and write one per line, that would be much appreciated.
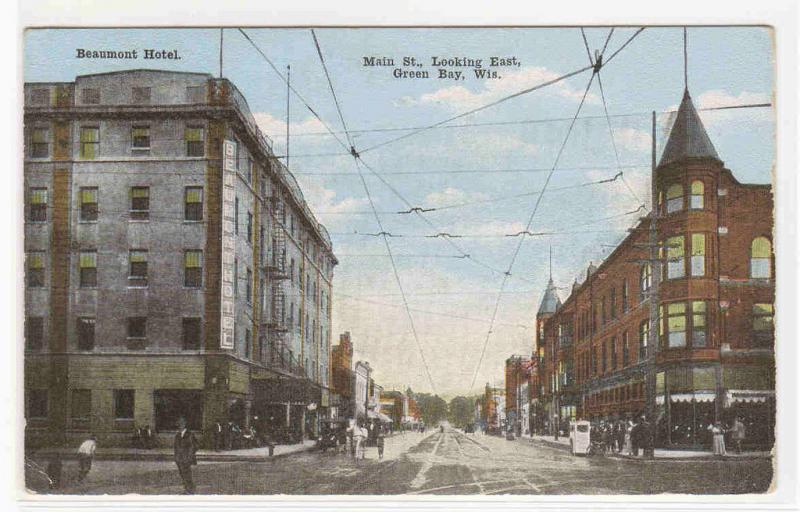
(185, 448)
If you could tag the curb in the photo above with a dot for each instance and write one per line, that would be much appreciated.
(554, 444)
(168, 457)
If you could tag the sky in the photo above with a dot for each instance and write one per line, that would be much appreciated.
(488, 175)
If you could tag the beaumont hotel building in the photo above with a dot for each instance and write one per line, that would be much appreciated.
(715, 357)
(173, 267)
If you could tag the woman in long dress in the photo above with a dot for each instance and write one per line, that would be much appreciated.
(628, 443)
(719, 438)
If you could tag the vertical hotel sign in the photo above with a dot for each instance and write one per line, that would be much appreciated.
(226, 339)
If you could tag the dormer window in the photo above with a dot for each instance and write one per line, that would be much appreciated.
(674, 198)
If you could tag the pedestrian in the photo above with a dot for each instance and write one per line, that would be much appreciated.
(85, 456)
(380, 441)
(628, 437)
(718, 431)
(360, 437)
(738, 434)
(621, 430)
(648, 443)
(636, 438)
(351, 436)
(185, 458)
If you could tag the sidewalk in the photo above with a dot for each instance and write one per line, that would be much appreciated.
(166, 453)
(563, 444)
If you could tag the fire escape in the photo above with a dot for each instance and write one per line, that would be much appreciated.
(277, 273)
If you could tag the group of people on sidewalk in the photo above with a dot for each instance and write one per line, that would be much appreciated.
(357, 435)
(621, 436)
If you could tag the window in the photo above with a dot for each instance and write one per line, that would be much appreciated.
(89, 142)
(36, 269)
(88, 198)
(38, 206)
(141, 94)
(195, 94)
(613, 353)
(81, 404)
(195, 141)
(140, 138)
(625, 296)
(247, 343)
(698, 261)
(137, 327)
(193, 203)
(626, 355)
(604, 361)
(193, 269)
(644, 336)
(249, 228)
(84, 328)
(676, 324)
(191, 334)
(123, 404)
(140, 203)
(248, 286)
(645, 279)
(40, 96)
(37, 403)
(236, 216)
(698, 195)
(249, 170)
(90, 96)
(675, 258)
(763, 323)
(40, 147)
(603, 309)
(761, 258)
(34, 333)
(699, 330)
(138, 268)
(613, 303)
(235, 277)
(87, 269)
(674, 198)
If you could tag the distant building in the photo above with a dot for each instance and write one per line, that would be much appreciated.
(342, 376)
(361, 397)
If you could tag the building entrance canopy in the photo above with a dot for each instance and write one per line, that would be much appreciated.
(286, 390)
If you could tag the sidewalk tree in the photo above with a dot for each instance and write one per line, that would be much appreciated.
(461, 411)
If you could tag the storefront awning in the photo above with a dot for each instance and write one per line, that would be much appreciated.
(697, 396)
(747, 395)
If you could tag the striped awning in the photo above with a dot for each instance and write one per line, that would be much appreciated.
(747, 395)
(697, 396)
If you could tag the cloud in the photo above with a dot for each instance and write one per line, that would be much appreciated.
(452, 195)
(325, 204)
(633, 140)
(458, 97)
(718, 98)
(275, 128)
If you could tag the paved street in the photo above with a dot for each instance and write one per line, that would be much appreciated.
(434, 463)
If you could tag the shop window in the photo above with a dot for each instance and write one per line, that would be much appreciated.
(37, 404)
(84, 329)
(138, 268)
(191, 333)
(674, 198)
(193, 203)
(40, 145)
(140, 203)
(761, 258)
(675, 258)
(88, 198)
(123, 404)
(763, 328)
(81, 404)
(699, 324)
(171, 404)
(698, 195)
(87, 264)
(698, 262)
(676, 324)
(38, 205)
(89, 142)
(36, 269)
(193, 269)
(195, 141)
(140, 138)
(34, 333)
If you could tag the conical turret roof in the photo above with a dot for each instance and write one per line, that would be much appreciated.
(688, 137)
(550, 301)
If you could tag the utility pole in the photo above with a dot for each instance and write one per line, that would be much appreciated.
(655, 262)
(221, 36)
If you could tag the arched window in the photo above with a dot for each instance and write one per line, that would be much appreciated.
(674, 198)
(761, 258)
(697, 200)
